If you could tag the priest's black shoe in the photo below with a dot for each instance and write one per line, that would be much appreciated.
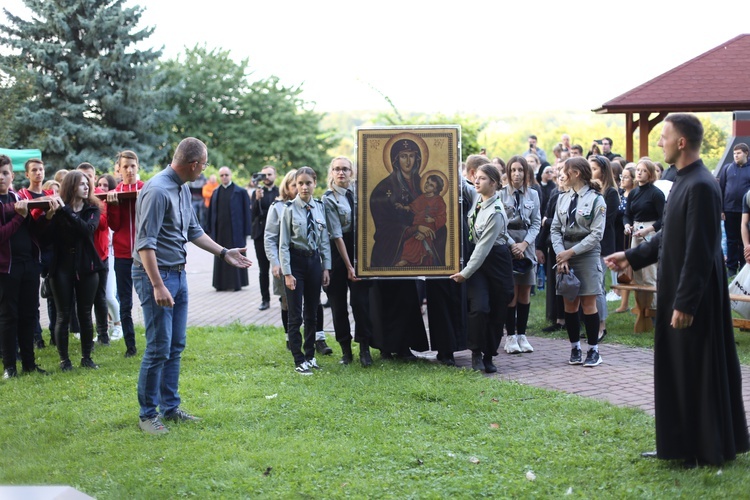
(365, 359)
(264, 305)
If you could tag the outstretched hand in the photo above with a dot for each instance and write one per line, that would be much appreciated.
(617, 261)
(237, 258)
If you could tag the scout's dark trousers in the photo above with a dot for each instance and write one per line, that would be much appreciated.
(309, 275)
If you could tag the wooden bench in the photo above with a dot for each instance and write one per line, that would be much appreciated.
(643, 313)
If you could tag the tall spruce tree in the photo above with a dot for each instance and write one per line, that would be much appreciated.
(93, 93)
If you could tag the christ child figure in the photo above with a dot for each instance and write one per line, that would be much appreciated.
(429, 215)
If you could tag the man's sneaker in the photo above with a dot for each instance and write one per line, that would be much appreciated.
(592, 358)
(115, 333)
(322, 347)
(312, 363)
(180, 415)
(511, 344)
(524, 345)
(303, 369)
(153, 426)
(575, 356)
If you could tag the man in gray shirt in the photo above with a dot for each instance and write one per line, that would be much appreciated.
(165, 222)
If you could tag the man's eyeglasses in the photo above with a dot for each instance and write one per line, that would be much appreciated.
(203, 165)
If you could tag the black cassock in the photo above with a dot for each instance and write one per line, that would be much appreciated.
(226, 276)
(698, 384)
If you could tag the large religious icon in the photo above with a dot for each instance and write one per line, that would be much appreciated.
(408, 201)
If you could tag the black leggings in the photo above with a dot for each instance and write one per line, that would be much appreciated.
(64, 282)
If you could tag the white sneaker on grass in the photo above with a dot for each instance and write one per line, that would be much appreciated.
(303, 369)
(524, 345)
(511, 345)
(612, 297)
(115, 333)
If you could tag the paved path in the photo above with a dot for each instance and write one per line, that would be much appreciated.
(625, 378)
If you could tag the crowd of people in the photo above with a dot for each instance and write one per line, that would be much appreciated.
(574, 217)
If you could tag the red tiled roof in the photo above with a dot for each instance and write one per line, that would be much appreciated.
(709, 82)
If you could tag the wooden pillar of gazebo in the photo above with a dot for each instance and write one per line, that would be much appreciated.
(645, 125)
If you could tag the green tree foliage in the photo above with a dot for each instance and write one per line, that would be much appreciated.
(245, 124)
(14, 92)
(93, 93)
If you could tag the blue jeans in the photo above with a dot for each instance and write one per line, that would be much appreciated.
(124, 279)
(165, 340)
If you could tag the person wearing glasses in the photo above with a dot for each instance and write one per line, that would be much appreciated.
(339, 207)
(228, 224)
(165, 222)
(577, 230)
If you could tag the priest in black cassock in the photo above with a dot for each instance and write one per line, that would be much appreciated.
(700, 415)
(228, 224)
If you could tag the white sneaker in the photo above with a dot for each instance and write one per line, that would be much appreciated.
(312, 363)
(77, 335)
(524, 345)
(612, 297)
(115, 333)
(511, 345)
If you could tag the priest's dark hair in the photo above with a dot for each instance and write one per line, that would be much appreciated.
(689, 126)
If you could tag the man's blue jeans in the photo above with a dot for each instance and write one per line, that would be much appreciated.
(165, 340)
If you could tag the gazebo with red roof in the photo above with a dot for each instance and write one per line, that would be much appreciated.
(714, 81)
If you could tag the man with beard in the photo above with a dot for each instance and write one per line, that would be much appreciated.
(700, 415)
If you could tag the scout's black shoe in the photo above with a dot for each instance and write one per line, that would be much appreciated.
(35, 369)
(88, 363)
(264, 305)
(10, 373)
(575, 356)
(322, 347)
(103, 340)
(476, 362)
(39, 344)
(130, 352)
(489, 366)
(66, 365)
(592, 359)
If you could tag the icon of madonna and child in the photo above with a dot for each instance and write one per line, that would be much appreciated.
(408, 210)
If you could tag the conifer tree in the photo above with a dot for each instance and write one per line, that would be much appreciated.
(93, 91)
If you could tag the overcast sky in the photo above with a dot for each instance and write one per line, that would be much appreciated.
(436, 56)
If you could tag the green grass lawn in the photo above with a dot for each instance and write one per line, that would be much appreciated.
(392, 431)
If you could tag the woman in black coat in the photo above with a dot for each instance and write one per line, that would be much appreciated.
(75, 264)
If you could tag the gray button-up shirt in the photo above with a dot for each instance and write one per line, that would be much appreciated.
(490, 229)
(165, 220)
(585, 233)
(528, 212)
(293, 233)
(338, 212)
